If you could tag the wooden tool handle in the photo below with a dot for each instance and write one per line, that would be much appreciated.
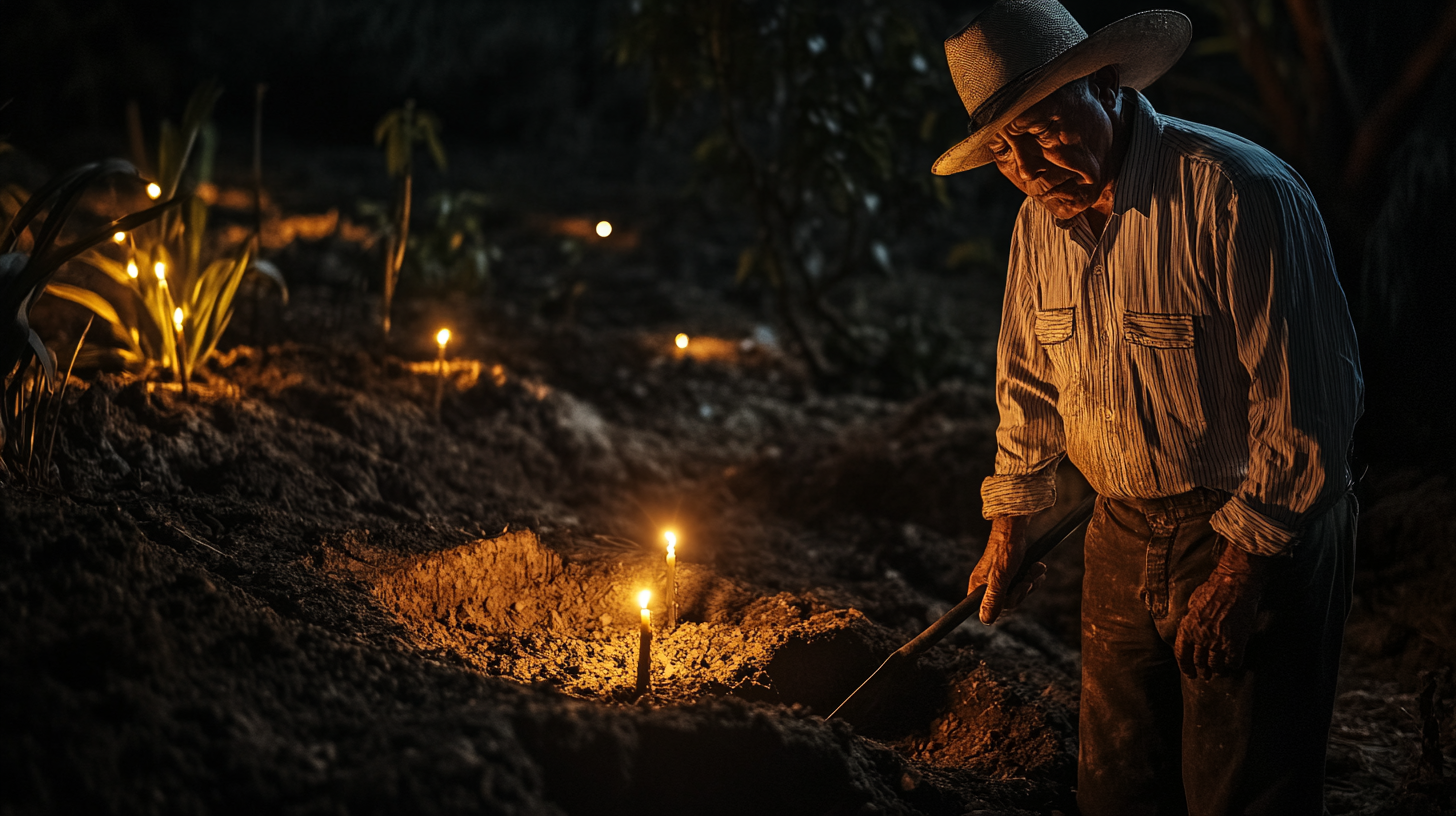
(1035, 552)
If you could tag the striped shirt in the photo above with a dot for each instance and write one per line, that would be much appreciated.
(1202, 340)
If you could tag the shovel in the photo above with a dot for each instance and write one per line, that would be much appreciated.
(874, 691)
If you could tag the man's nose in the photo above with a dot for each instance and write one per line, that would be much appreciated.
(1027, 160)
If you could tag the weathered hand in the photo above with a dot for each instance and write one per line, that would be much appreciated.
(1005, 550)
(1221, 615)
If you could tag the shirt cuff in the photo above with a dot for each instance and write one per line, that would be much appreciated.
(1018, 495)
(1252, 531)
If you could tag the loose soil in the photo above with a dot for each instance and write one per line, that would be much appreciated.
(301, 588)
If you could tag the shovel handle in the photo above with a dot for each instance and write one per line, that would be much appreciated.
(1035, 552)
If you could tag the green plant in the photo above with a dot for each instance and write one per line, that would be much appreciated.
(398, 132)
(820, 131)
(175, 300)
(30, 255)
(453, 254)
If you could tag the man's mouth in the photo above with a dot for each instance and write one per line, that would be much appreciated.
(1060, 188)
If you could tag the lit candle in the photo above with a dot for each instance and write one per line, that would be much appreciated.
(182, 372)
(682, 341)
(442, 338)
(671, 579)
(154, 190)
(644, 647)
(119, 237)
(131, 269)
(604, 228)
(160, 269)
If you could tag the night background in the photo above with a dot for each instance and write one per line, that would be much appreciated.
(279, 558)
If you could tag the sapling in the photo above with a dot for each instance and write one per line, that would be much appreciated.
(398, 132)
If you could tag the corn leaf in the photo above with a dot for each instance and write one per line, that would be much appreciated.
(272, 273)
(196, 228)
(85, 297)
(126, 223)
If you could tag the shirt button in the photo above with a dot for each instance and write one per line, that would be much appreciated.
(1097, 270)
(1108, 414)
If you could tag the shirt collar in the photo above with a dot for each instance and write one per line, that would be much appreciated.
(1134, 190)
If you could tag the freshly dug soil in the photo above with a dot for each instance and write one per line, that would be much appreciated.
(301, 588)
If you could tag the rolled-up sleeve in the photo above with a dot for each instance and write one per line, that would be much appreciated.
(1030, 439)
(1296, 341)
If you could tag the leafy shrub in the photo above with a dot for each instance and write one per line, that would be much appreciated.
(825, 116)
(28, 390)
(176, 301)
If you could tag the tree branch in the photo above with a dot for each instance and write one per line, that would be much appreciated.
(1375, 131)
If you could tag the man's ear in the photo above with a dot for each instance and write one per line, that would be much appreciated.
(1104, 84)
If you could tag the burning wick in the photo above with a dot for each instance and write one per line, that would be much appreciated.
(644, 648)
(681, 341)
(161, 270)
(604, 228)
(119, 237)
(131, 269)
(154, 190)
(183, 373)
(442, 337)
(671, 579)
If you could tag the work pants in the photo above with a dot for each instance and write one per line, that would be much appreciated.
(1156, 742)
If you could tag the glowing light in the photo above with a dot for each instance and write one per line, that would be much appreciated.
(644, 598)
(161, 270)
(681, 341)
(604, 228)
(177, 318)
(671, 579)
(154, 190)
(442, 337)
(131, 269)
(119, 237)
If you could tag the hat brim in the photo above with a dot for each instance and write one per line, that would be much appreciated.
(1144, 46)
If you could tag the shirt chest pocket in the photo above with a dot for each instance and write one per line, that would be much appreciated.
(1161, 331)
(1055, 326)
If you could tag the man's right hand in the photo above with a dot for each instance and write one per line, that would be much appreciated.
(1005, 550)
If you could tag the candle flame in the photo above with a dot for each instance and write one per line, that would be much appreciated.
(161, 270)
(644, 597)
(442, 337)
(119, 237)
(671, 538)
(604, 228)
(131, 269)
(154, 190)
(177, 318)
(681, 341)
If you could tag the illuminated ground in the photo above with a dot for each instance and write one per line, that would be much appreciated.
(301, 591)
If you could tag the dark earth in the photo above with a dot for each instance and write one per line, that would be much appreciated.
(303, 588)
(299, 589)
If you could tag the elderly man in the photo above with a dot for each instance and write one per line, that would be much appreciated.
(1172, 324)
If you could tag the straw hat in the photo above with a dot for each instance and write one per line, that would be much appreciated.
(1015, 53)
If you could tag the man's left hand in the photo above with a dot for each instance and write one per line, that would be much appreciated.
(1221, 615)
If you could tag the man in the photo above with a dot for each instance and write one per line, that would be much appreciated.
(1173, 325)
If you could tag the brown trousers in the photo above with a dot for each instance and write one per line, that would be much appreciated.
(1156, 742)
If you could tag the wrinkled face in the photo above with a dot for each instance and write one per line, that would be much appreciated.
(1059, 151)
